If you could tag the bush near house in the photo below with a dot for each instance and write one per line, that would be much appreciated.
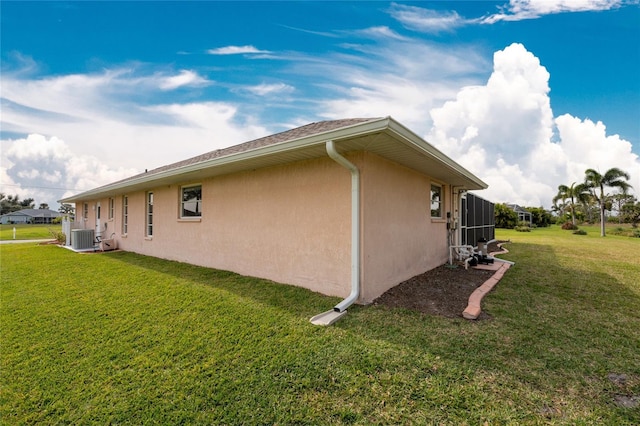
(524, 227)
(57, 235)
(540, 217)
(505, 217)
(508, 219)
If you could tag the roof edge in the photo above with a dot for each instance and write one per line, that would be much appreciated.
(336, 134)
(406, 136)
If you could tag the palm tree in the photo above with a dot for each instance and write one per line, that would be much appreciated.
(612, 178)
(561, 196)
(572, 193)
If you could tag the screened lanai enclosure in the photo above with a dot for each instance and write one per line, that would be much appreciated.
(479, 221)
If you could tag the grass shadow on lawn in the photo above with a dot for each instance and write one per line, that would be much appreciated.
(293, 300)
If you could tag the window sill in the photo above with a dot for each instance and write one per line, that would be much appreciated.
(438, 220)
(148, 238)
(190, 219)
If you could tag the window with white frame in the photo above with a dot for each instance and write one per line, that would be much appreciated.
(149, 214)
(125, 214)
(85, 211)
(112, 207)
(436, 201)
(191, 201)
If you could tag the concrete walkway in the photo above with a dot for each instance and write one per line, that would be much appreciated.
(26, 241)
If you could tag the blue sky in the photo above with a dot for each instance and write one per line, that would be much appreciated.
(526, 94)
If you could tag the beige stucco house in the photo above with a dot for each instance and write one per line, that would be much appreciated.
(347, 208)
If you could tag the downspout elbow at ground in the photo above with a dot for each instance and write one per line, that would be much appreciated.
(329, 317)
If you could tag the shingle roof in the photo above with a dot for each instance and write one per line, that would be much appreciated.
(298, 132)
(35, 213)
(517, 208)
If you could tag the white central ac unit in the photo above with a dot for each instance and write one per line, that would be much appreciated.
(82, 239)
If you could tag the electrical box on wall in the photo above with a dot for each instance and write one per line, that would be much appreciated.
(452, 223)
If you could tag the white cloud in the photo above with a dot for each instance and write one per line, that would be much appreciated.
(380, 32)
(235, 50)
(85, 97)
(404, 79)
(99, 131)
(102, 115)
(518, 10)
(47, 169)
(270, 89)
(185, 78)
(514, 104)
(587, 145)
(437, 21)
(502, 131)
(426, 20)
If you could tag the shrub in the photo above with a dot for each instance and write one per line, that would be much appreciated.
(522, 229)
(618, 230)
(624, 232)
(580, 232)
(58, 235)
(569, 226)
(504, 216)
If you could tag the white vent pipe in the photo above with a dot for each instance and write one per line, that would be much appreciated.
(355, 227)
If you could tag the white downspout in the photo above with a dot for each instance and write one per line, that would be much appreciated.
(355, 226)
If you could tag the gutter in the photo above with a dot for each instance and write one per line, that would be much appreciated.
(329, 317)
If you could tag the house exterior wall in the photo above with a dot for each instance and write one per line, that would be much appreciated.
(400, 239)
(292, 224)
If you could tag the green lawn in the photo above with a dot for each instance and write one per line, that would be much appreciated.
(28, 232)
(123, 338)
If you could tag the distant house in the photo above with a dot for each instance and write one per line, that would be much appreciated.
(347, 208)
(34, 216)
(523, 215)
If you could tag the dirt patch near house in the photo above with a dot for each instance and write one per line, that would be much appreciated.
(442, 291)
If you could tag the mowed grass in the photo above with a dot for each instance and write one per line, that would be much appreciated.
(123, 338)
(28, 232)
